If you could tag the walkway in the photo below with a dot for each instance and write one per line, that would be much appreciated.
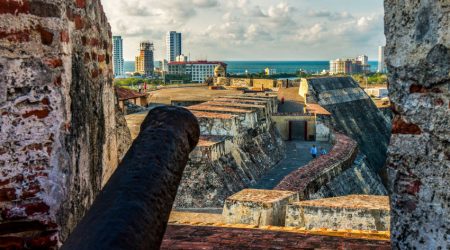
(297, 155)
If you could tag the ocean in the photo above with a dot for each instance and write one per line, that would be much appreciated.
(239, 67)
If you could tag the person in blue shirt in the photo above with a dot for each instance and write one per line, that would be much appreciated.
(323, 151)
(313, 151)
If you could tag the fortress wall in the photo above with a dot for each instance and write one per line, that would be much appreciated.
(310, 178)
(354, 212)
(358, 179)
(60, 133)
(353, 113)
(208, 182)
(418, 59)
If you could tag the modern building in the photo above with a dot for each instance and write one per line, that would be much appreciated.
(144, 63)
(269, 71)
(357, 65)
(173, 45)
(198, 70)
(117, 55)
(381, 60)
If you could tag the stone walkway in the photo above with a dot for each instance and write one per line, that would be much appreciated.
(297, 155)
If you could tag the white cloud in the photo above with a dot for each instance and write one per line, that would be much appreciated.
(227, 29)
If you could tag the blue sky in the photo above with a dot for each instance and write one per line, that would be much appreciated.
(252, 29)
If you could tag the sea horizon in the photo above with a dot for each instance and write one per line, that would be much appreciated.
(256, 66)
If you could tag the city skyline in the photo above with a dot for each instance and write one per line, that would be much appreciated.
(252, 30)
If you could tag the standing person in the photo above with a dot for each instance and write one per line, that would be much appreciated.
(313, 151)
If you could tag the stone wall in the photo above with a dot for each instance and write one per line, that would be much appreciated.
(61, 136)
(358, 179)
(356, 212)
(354, 114)
(418, 59)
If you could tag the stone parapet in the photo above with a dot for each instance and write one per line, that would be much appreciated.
(258, 207)
(356, 212)
(310, 178)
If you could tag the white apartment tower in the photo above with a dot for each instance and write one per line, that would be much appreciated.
(117, 55)
(173, 45)
(381, 60)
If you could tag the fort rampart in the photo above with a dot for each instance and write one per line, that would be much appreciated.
(311, 177)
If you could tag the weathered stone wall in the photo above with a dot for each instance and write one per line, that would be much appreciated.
(353, 113)
(357, 212)
(418, 59)
(358, 179)
(208, 181)
(60, 138)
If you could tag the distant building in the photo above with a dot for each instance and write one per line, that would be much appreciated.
(181, 58)
(269, 71)
(198, 70)
(381, 60)
(350, 66)
(144, 63)
(173, 45)
(117, 55)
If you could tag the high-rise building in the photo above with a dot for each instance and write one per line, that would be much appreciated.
(117, 55)
(144, 63)
(173, 45)
(381, 60)
(350, 66)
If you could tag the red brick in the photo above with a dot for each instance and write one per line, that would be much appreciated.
(101, 58)
(36, 208)
(94, 73)
(80, 4)
(439, 102)
(46, 36)
(64, 37)
(14, 7)
(31, 191)
(58, 81)
(54, 62)
(413, 188)
(16, 36)
(10, 242)
(39, 113)
(79, 23)
(93, 42)
(8, 194)
(399, 126)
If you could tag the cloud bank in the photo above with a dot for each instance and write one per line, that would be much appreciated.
(252, 30)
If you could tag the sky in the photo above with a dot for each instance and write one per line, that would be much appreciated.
(266, 30)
